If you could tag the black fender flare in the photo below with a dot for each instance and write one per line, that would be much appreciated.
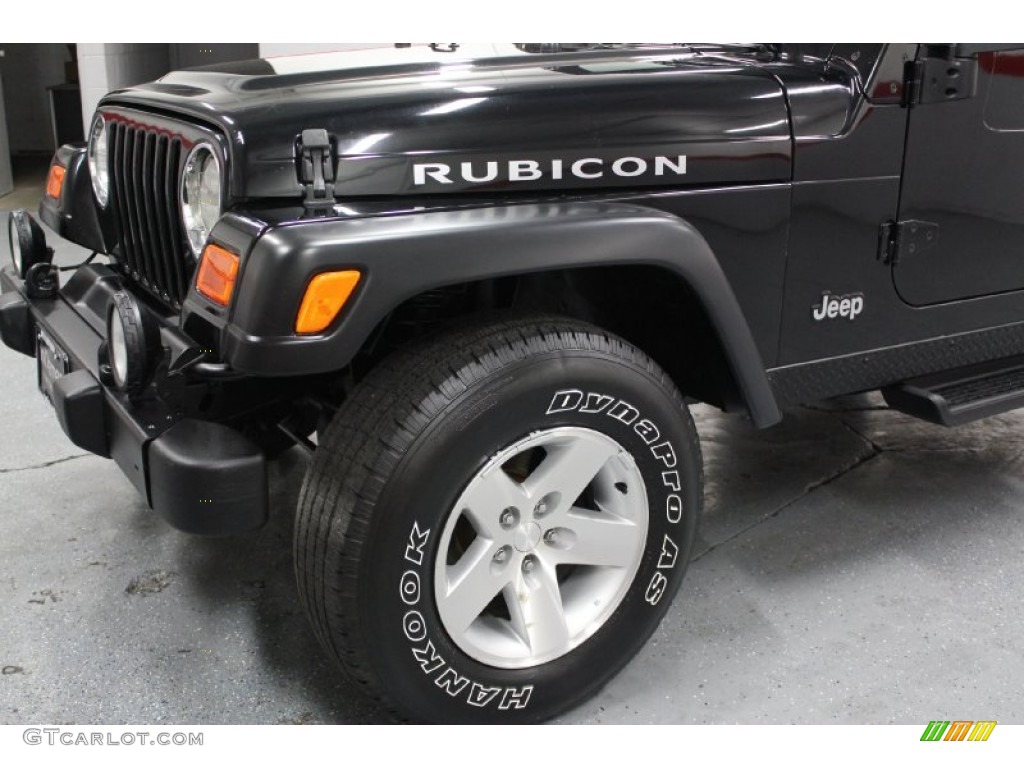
(403, 255)
(74, 216)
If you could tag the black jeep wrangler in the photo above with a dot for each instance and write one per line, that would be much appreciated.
(481, 292)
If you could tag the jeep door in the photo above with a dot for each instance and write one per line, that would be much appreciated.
(963, 180)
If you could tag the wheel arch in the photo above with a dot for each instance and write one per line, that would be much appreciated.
(651, 307)
(598, 248)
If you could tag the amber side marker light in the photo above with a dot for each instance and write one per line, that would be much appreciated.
(55, 181)
(218, 271)
(325, 295)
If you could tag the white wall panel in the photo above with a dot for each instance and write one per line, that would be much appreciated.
(291, 49)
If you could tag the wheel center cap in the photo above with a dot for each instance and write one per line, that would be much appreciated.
(527, 537)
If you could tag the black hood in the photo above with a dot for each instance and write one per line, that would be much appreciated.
(594, 119)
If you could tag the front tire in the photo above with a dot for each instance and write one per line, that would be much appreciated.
(496, 522)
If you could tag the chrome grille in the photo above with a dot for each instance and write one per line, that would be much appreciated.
(144, 174)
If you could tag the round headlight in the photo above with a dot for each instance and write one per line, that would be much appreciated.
(118, 349)
(200, 195)
(14, 239)
(99, 168)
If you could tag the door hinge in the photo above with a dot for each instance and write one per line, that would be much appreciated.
(899, 239)
(940, 76)
(315, 152)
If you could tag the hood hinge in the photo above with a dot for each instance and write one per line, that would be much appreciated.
(316, 150)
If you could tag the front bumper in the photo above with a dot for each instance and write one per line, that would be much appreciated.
(201, 476)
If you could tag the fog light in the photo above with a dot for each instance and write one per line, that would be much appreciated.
(133, 340)
(27, 242)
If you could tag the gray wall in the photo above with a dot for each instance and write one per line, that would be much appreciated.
(28, 69)
(290, 49)
(185, 55)
(6, 181)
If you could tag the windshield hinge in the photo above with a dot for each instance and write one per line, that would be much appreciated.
(315, 151)
(939, 76)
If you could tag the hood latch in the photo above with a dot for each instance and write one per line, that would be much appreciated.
(316, 151)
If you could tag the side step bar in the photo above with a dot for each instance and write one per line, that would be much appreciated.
(961, 396)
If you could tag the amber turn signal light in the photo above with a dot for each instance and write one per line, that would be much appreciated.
(55, 181)
(218, 271)
(325, 295)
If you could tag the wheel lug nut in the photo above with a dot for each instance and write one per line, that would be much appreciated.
(529, 564)
(501, 555)
(509, 517)
(551, 536)
(548, 504)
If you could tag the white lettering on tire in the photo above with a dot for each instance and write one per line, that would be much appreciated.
(669, 553)
(414, 626)
(566, 400)
(656, 589)
(417, 540)
(409, 588)
(480, 696)
(674, 508)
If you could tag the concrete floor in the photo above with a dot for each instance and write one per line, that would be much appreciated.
(853, 566)
(29, 176)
